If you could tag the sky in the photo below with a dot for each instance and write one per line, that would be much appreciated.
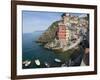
(39, 21)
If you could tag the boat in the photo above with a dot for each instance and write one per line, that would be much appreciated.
(26, 63)
(46, 64)
(37, 62)
(57, 60)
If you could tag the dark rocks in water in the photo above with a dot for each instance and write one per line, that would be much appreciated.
(76, 58)
(68, 63)
(86, 59)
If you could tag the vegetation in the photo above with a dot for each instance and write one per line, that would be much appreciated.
(49, 34)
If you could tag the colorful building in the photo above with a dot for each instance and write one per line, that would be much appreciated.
(62, 34)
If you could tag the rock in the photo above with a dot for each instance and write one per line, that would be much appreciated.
(49, 34)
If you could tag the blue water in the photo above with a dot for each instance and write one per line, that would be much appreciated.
(32, 51)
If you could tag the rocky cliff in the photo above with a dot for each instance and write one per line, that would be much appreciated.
(49, 34)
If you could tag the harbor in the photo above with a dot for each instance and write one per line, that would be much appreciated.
(36, 56)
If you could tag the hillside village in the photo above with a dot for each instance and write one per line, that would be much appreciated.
(66, 33)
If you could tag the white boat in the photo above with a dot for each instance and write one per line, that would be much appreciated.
(37, 62)
(26, 63)
(57, 60)
(46, 64)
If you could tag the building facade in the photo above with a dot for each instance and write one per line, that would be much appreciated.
(63, 34)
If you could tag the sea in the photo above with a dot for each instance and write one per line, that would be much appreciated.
(31, 50)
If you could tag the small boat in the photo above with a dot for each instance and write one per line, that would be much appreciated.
(46, 64)
(26, 63)
(63, 65)
(57, 60)
(37, 62)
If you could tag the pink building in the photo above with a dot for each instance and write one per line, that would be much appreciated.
(61, 32)
(62, 35)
